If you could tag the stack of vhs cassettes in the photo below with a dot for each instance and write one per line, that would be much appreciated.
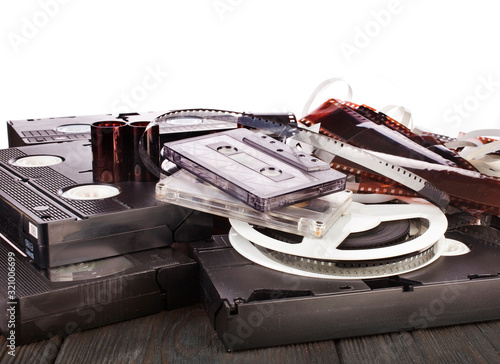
(77, 254)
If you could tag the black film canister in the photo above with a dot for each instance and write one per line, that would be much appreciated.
(110, 162)
(150, 138)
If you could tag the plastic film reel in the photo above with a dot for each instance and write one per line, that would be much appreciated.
(322, 258)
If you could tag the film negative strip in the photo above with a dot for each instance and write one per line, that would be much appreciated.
(310, 218)
(57, 215)
(332, 146)
(255, 168)
(42, 303)
(424, 156)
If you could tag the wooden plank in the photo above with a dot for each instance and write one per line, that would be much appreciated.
(386, 348)
(491, 333)
(183, 335)
(457, 344)
(43, 352)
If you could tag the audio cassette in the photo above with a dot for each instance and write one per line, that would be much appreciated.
(253, 306)
(310, 218)
(55, 214)
(255, 168)
(38, 304)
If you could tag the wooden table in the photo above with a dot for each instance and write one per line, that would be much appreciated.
(185, 336)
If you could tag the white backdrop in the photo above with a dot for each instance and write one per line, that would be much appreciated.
(73, 57)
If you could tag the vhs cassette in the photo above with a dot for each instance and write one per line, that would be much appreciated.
(251, 306)
(51, 209)
(310, 218)
(40, 303)
(255, 168)
(52, 130)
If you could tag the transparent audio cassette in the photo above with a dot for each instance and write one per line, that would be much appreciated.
(255, 168)
(310, 218)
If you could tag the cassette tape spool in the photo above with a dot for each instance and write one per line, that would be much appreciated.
(370, 241)
(255, 168)
(310, 218)
(56, 215)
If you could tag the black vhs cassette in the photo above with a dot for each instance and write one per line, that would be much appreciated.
(71, 128)
(251, 306)
(39, 303)
(54, 213)
(52, 130)
(255, 168)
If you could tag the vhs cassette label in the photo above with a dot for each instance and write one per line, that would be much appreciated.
(33, 230)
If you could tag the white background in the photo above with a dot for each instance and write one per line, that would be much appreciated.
(73, 57)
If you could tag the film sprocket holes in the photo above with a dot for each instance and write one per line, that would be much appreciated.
(69, 299)
(310, 218)
(251, 306)
(56, 215)
(255, 168)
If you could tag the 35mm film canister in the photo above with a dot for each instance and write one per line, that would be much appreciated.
(110, 162)
(139, 172)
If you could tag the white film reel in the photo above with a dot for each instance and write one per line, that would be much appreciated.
(322, 258)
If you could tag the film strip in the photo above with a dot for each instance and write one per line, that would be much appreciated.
(455, 175)
(355, 154)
